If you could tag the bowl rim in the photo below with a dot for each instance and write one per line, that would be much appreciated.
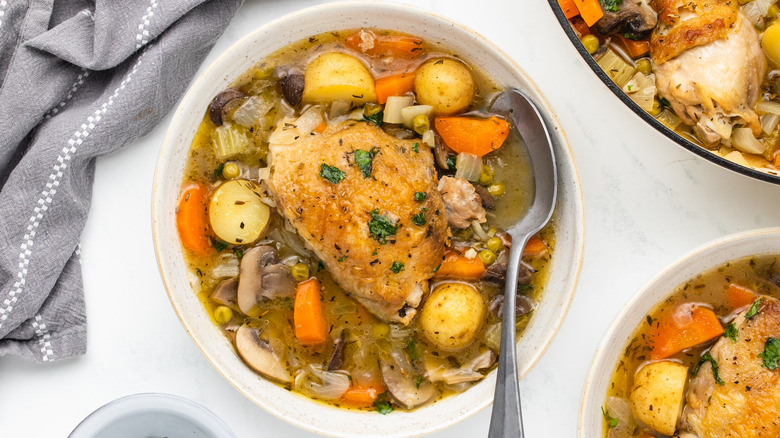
(121, 407)
(597, 365)
(565, 148)
(644, 115)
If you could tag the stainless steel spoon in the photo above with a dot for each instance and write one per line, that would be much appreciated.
(506, 419)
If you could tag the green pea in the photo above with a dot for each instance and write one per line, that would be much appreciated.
(223, 314)
(591, 43)
(494, 244)
(420, 124)
(496, 189)
(231, 170)
(643, 66)
(300, 271)
(486, 177)
(487, 256)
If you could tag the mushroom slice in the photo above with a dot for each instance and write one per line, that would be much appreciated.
(262, 276)
(258, 354)
(226, 291)
(404, 388)
(436, 370)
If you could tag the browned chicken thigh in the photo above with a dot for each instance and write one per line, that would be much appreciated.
(747, 404)
(367, 204)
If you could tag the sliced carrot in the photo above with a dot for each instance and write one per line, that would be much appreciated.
(635, 48)
(777, 161)
(310, 327)
(569, 8)
(362, 395)
(458, 266)
(579, 25)
(192, 220)
(535, 247)
(384, 45)
(472, 135)
(395, 85)
(590, 10)
(321, 127)
(740, 296)
(671, 336)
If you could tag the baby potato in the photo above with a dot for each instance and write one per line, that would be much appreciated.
(236, 213)
(770, 41)
(657, 396)
(445, 84)
(336, 76)
(452, 316)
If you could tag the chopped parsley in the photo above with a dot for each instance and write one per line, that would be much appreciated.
(611, 5)
(612, 422)
(420, 196)
(753, 311)
(731, 332)
(380, 227)
(320, 266)
(771, 354)
(342, 258)
(708, 358)
(452, 160)
(397, 267)
(415, 147)
(419, 380)
(364, 160)
(239, 253)
(412, 350)
(419, 218)
(287, 303)
(382, 404)
(664, 102)
(375, 118)
(219, 246)
(218, 170)
(331, 173)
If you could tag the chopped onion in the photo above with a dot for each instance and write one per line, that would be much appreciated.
(744, 140)
(228, 141)
(768, 106)
(756, 10)
(250, 112)
(737, 157)
(769, 122)
(286, 132)
(227, 266)
(263, 173)
(327, 385)
(479, 231)
(309, 120)
(410, 112)
(619, 408)
(670, 119)
(468, 166)
(356, 114)
(641, 89)
(338, 108)
(394, 106)
(429, 138)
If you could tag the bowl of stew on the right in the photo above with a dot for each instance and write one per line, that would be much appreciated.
(704, 73)
(696, 353)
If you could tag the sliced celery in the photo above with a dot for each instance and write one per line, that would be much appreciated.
(670, 119)
(616, 67)
(229, 140)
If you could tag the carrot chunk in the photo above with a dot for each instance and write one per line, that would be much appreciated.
(675, 334)
(569, 8)
(395, 85)
(384, 45)
(590, 10)
(192, 220)
(362, 395)
(310, 327)
(458, 266)
(472, 135)
(739, 296)
(635, 48)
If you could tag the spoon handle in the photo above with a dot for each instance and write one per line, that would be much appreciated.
(506, 419)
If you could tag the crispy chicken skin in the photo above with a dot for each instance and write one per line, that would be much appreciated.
(708, 64)
(748, 404)
(333, 218)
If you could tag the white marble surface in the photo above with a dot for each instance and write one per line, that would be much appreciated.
(647, 203)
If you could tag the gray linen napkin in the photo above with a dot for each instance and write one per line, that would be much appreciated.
(78, 79)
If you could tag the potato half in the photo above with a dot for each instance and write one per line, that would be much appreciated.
(336, 76)
(452, 316)
(657, 396)
(445, 84)
(237, 214)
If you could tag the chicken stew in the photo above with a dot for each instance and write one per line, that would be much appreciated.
(704, 362)
(705, 69)
(341, 215)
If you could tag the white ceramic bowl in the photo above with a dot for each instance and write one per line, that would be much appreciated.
(152, 415)
(765, 241)
(293, 407)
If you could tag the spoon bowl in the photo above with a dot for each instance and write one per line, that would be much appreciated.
(506, 419)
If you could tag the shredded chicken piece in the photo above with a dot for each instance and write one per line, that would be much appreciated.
(461, 202)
